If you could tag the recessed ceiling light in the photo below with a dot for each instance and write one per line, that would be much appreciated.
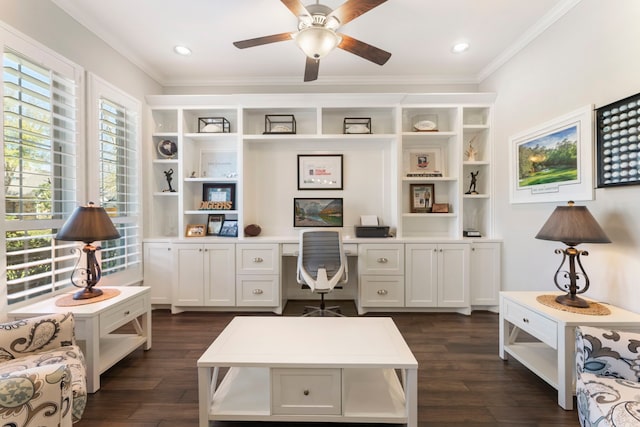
(460, 47)
(182, 50)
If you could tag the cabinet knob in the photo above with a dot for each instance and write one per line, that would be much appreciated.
(200, 250)
(382, 292)
(168, 249)
(440, 250)
(126, 313)
(383, 260)
(258, 291)
(306, 392)
(525, 320)
(257, 259)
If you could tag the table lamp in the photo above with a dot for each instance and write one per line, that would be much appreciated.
(572, 225)
(88, 224)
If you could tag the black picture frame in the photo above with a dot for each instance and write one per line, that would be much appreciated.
(618, 143)
(421, 197)
(218, 196)
(229, 228)
(214, 224)
(318, 212)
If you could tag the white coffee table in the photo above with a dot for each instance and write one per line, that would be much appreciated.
(309, 369)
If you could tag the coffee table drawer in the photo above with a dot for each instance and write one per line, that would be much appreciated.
(306, 391)
(546, 330)
(121, 315)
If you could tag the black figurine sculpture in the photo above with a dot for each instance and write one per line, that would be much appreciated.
(472, 185)
(168, 175)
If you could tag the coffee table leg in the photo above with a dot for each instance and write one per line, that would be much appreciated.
(205, 394)
(411, 397)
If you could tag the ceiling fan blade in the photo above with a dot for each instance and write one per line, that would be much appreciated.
(364, 50)
(351, 9)
(311, 69)
(296, 8)
(243, 44)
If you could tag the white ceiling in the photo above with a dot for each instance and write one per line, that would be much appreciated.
(418, 33)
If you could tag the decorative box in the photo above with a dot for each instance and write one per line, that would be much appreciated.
(213, 125)
(357, 125)
(279, 124)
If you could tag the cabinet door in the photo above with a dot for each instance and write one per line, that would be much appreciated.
(421, 275)
(220, 275)
(453, 275)
(485, 273)
(189, 274)
(158, 259)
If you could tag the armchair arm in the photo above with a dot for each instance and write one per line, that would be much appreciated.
(608, 353)
(36, 334)
(36, 396)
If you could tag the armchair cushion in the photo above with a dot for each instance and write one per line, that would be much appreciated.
(42, 342)
(607, 377)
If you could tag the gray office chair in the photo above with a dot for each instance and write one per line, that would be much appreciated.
(322, 265)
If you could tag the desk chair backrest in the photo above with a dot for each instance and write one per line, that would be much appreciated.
(322, 263)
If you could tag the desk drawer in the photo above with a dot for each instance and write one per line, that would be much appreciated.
(121, 315)
(306, 391)
(544, 329)
(381, 291)
(293, 249)
(381, 259)
(257, 259)
(257, 291)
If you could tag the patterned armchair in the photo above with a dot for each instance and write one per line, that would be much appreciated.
(607, 378)
(42, 373)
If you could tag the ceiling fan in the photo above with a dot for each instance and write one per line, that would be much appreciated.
(317, 35)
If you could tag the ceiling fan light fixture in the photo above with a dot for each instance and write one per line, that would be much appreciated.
(317, 42)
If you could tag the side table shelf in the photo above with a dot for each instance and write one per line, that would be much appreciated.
(95, 324)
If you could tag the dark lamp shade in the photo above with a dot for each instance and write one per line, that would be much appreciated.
(88, 224)
(572, 225)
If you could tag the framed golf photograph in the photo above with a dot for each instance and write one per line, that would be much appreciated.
(323, 212)
(421, 197)
(319, 171)
(553, 162)
(214, 224)
(229, 228)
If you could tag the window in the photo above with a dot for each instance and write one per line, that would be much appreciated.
(40, 127)
(115, 123)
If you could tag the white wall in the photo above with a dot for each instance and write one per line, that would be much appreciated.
(590, 56)
(46, 23)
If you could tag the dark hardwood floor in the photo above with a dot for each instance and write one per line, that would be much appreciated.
(461, 379)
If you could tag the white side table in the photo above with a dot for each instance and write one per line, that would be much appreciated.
(95, 322)
(552, 357)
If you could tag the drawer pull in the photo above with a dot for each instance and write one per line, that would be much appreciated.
(257, 259)
(382, 292)
(306, 392)
(525, 320)
(258, 291)
(126, 313)
(383, 260)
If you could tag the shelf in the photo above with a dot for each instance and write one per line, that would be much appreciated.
(475, 196)
(211, 179)
(430, 215)
(538, 357)
(115, 347)
(165, 161)
(475, 163)
(429, 178)
(428, 135)
(202, 212)
(166, 193)
(209, 135)
(165, 134)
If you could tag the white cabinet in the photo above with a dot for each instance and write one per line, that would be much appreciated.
(485, 273)
(204, 274)
(437, 275)
(258, 274)
(381, 275)
(158, 260)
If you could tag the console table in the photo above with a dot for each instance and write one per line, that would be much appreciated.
(95, 322)
(552, 356)
(307, 369)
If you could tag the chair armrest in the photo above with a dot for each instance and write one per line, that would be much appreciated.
(36, 334)
(608, 353)
(40, 395)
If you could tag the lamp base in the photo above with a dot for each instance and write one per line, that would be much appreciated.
(87, 293)
(572, 301)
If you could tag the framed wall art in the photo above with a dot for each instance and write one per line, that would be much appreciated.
(618, 143)
(553, 162)
(421, 197)
(425, 163)
(195, 230)
(322, 212)
(214, 224)
(218, 164)
(319, 171)
(218, 196)
(229, 228)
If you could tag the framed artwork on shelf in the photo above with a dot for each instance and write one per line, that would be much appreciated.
(322, 212)
(218, 196)
(195, 230)
(421, 197)
(167, 149)
(618, 143)
(553, 162)
(320, 172)
(214, 224)
(229, 228)
(218, 164)
(425, 163)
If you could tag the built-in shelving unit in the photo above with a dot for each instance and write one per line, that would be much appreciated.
(263, 167)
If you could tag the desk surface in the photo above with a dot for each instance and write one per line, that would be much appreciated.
(310, 342)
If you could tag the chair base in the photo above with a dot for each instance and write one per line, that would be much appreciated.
(311, 311)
